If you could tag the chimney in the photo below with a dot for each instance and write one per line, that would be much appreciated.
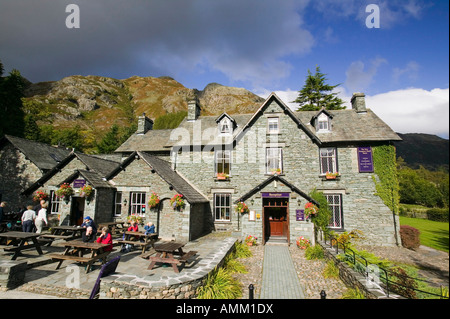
(358, 102)
(193, 109)
(144, 124)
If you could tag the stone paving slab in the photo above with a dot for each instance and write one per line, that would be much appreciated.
(279, 279)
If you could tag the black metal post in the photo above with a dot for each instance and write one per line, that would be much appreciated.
(323, 295)
(251, 290)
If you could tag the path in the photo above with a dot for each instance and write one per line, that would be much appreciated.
(279, 279)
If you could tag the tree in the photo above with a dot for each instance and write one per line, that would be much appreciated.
(110, 142)
(316, 94)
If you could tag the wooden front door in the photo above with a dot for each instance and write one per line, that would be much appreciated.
(276, 219)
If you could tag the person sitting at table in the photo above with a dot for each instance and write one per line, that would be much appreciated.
(149, 228)
(105, 238)
(133, 226)
(91, 229)
(28, 218)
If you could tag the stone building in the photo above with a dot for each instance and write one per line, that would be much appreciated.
(270, 160)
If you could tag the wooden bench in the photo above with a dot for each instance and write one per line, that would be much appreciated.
(149, 240)
(186, 256)
(70, 257)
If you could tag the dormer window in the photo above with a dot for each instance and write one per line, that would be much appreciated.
(225, 124)
(322, 121)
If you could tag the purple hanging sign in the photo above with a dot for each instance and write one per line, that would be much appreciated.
(365, 159)
(300, 214)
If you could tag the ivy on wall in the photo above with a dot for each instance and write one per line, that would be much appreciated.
(387, 187)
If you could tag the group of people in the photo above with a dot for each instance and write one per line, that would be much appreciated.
(31, 220)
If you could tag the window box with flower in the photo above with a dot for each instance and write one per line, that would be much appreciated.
(135, 218)
(331, 176)
(177, 202)
(222, 176)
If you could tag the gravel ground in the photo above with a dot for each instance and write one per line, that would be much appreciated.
(434, 266)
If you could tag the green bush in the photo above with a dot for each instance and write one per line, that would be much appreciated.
(220, 285)
(314, 252)
(438, 214)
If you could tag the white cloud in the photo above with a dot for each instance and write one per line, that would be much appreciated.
(413, 110)
(410, 70)
(359, 77)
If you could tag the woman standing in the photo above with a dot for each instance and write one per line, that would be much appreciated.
(41, 218)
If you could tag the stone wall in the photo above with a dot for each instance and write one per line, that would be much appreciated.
(12, 273)
(175, 286)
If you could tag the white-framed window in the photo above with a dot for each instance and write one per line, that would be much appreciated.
(54, 203)
(323, 123)
(223, 162)
(225, 126)
(138, 203)
(118, 204)
(273, 125)
(328, 160)
(274, 160)
(222, 207)
(335, 204)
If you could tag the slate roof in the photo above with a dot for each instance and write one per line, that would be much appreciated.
(94, 179)
(44, 156)
(181, 185)
(347, 126)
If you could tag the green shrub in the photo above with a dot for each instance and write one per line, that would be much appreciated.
(314, 252)
(220, 285)
(410, 237)
(331, 271)
(353, 294)
(438, 214)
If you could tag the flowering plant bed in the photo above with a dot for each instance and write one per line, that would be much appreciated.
(303, 243)
(40, 195)
(310, 209)
(177, 201)
(242, 207)
(154, 200)
(65, 190)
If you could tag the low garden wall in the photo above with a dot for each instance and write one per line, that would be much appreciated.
(174, 286)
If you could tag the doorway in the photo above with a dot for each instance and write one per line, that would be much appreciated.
(77, 211)
(276, 220)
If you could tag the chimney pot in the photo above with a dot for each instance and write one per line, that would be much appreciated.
(144, 124)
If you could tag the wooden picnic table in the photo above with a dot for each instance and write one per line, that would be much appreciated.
(62, 232)
(116, 227)
(75, 249)
(165, 253)
(134, 238)
(20, 241)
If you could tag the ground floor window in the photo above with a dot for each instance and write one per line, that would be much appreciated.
(54, 203)
(118, 204)
(137, 203)
(335, 203)
(222, 207)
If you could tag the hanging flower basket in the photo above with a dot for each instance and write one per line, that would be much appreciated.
(64, 191)
(154, 200)
(311, 209)
(177, 202)
(86, 191)
(40, 195)
(242, 207)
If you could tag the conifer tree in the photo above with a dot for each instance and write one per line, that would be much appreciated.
(316, 94)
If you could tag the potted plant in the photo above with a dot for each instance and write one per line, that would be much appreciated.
(177, 201)
(154, 200)
(242, 207)
(303, 243)
(329, 175)
(251, 240)
(310, 209)
(40, 195)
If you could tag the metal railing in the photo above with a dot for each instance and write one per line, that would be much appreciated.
(361, 265)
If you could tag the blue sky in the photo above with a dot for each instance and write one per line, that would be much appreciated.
(261, 45)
